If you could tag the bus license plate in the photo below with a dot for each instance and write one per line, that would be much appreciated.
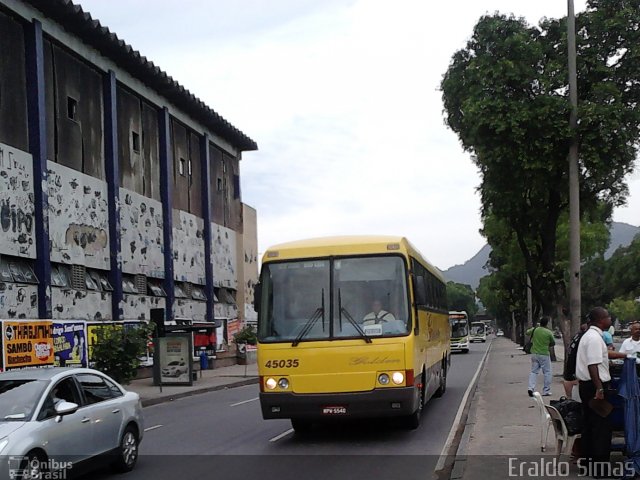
(334, 410)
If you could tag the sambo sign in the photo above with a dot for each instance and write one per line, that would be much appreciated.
(27, 343)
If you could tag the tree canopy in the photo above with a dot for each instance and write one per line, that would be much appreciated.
(461, 298)
(506, 97)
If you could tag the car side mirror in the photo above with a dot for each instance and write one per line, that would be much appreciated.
(65, 408)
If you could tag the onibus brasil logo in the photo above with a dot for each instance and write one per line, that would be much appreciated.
(23, 468)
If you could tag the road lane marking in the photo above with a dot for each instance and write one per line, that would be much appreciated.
(282, 435)
(454, 428)
(244, 401)
(153, 428)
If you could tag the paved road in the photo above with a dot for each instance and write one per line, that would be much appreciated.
(222, 434)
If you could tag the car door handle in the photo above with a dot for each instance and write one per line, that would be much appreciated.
(86, 420)
(117, 410)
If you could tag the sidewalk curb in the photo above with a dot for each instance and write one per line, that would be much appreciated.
(147, 402)
(452, 459)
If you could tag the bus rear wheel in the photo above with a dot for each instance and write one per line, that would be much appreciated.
(301, 426)
(443, 381)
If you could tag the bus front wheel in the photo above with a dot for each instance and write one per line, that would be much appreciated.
(301, 426)
(413, 421)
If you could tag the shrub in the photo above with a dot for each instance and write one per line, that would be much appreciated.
(117, 350)
(246, 335)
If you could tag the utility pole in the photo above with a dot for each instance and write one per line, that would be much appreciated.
(529, 304)
(574, 182)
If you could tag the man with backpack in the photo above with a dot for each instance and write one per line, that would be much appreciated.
(569, 373)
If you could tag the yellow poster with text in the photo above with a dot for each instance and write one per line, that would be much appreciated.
(92, 334)
(27, 343)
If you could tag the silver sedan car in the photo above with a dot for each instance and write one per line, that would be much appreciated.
(55, 419)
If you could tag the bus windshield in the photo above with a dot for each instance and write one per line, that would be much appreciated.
(478, 329)
(338, 298)
(459, 328)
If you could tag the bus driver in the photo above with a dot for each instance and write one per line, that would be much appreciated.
(377, 315)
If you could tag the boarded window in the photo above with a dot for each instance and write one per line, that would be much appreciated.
(130, 160)
(216, 166)
(180, 145)
(13, 86)
(75, 116)
(195, 176)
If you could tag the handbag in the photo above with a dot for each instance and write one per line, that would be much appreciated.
(529, 345)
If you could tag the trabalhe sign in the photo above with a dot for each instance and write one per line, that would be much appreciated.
(27, 343)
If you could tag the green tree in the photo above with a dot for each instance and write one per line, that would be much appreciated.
(625, 310)
(461, 297)
(505, 95)
(623, 271)
(117, 350)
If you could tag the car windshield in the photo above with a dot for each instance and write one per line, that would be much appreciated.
(459, 329)
(18, 398)
(328, 299)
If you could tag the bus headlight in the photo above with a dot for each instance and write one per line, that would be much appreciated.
(383, 379)
(283, 383)
(397, 377)
(271, 383)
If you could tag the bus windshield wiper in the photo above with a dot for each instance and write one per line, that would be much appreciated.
(348, 316)
(311, 322)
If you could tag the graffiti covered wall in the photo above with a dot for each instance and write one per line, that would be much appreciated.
(224, 256)
(249, 242)
(69, 303)
(17, 229)
(78, 218)
(188, 247)
(18, 301)
(224, 310)
(191, 309)
(137, 307)
(141, 235)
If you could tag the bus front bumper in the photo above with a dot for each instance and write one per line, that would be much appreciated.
(459, 346)
(384, 402)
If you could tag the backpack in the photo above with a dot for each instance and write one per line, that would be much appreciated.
(572, 355)
(529, 345)
(571, 413)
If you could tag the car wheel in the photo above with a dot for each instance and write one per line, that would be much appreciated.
(127, 451)
(33, 466)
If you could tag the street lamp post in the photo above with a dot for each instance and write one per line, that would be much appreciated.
(574, 182)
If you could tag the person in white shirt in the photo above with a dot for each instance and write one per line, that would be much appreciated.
(631, 346)
(377, 315)
(592, 372)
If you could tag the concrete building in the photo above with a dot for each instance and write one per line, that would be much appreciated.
(119, 189)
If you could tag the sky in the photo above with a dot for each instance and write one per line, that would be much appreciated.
(342, 97)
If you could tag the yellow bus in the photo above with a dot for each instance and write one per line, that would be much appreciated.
(459, 331)
(350, 327)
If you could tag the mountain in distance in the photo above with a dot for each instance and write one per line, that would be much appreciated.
(470, 272)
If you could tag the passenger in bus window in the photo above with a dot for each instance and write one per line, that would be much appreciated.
(377, 314)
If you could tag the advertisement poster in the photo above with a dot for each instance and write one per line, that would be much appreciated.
(174, 359)
(70, 344)
(233, 327)
(27, 343)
